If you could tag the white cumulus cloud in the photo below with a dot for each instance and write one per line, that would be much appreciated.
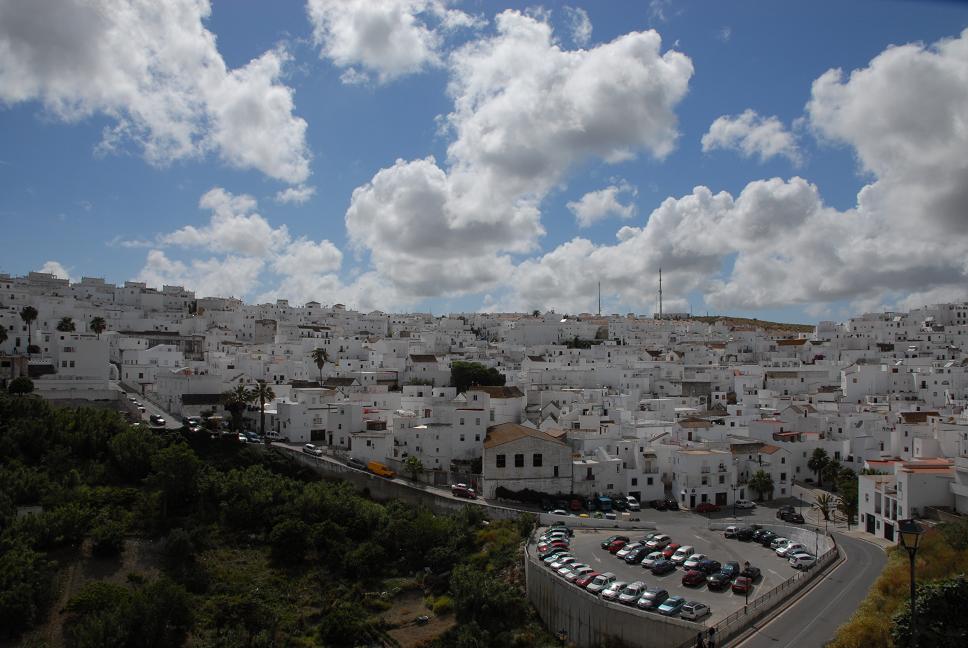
(295, 195)
(580, 25)
(752, 135)
(56, 269)
(153, 69)
(597, 205)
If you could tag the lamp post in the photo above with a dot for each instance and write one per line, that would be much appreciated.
(735, 486)
(911, 532)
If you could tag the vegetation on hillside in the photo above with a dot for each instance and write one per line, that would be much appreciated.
(745, 321)
(883, 618)
(245, 547)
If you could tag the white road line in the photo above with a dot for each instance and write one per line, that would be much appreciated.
(699, 538)
(774, 573)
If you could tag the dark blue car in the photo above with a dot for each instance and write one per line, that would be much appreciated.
(663, 566)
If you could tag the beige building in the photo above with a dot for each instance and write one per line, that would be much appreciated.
(517, 457)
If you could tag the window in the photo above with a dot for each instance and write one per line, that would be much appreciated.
(492, 416)
(782, 477)
(462, 438)
(519, 461)
(648, 480)
(722, 479)
(536, 460)
(477, 421)
(462, 421)
(477, 437)
(556, 471)
(635, 481)
(782, 460)
(499, 463)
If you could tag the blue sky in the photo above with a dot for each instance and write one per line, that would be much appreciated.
(172, 171)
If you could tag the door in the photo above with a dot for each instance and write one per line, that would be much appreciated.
(889, 532)
(692, 501)
(870, 523)
(720, 499)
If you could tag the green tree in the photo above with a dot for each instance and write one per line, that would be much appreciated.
(3, 335)
(28, 314)
(320, 357)
(264, 394)
(66, 325)
(131, 453)
(176, 469)
(464, 375)
(818, 460)
(98, 325)
(831, 472)
(289, 540)
(761, 482)
(21, 386)
(941, 619)
(344, 625)
(107, 536)
(487, 600)
(847, 506)
(414, 466)
(825, 503)
(235, 401)
(26, 588)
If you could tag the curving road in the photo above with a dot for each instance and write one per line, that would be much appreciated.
(813, 619)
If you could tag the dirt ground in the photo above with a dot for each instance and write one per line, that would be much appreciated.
(407, 606)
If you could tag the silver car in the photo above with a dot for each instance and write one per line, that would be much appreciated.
(631, 593)
(600, 583)
(612, 592)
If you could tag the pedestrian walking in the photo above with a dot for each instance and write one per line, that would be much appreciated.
(712, 638)
(699, 642)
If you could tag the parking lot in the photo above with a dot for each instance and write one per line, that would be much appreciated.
(686, 529)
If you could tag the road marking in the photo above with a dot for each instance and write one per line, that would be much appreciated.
(700, 538)
(773, 572)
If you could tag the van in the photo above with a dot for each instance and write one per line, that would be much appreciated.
(377, 468)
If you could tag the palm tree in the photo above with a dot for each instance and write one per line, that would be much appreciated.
(98, 325)
(28, 314)
(817, 462)
(66, 325)
(262, 393)
(825, 504)
(831, 472)
(761, 482)
(847, 506)
(320, 357)
(235, 401)
(3, 335)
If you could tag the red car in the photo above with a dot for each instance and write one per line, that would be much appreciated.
(669, 550)
(586, 579)
(616, 545)
(693, 577)
(742, 585)
(707, 507)
(557, 544)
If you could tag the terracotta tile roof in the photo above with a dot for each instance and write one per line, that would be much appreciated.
(508, 432)
(499, 392)
(769, 449)
(916, 417)
(422, 357)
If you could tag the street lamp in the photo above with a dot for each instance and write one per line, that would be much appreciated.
(911, 532)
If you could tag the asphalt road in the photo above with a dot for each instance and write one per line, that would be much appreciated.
(813, 619)
(171, 423)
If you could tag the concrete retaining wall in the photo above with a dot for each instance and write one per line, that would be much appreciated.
(589, 621)
(545, 519)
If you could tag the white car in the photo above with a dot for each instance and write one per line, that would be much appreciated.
(692, 562)
(658, 542)
(790, 549)
(730, 531)
(627, 549)
(745, 504)
(612, 592)
(600, 583)
(631, 593)
(779, 542)
(561, 562)
(633, 503)
(559, 512)
(694, 610)
(682, 554)
(652, 559)
(803, 561)
(570, 567)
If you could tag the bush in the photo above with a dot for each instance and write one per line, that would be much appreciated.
(443, 605)
(107, 536)
(26, 588)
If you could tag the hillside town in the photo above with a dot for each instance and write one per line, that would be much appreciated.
(703, 412)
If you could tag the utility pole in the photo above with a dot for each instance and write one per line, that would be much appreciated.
(599, 298)
(660, 293)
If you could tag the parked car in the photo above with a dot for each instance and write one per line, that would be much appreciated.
(751, 572)
(693, 578)
(709, 566)
(692, 562)
(663, 566)
(156, 420)
(652, 558)
(803, 561)
(463, 490)
(682, 554)
(563, 561)
(553, 552)
(791, 549)
(670, 550)
(730, 531)
(630, 595)
(626, 548)
(742, 585)
(356, 463)
(544, 547)
(633, 503)
(613, 590)
(745, 534)
(658, 504)
(794, 518)
(564, 570)
(766, 538)
(600, 583)
(779, 542)
(783, 510)
(652, 598)
(694, 610)
(574, 575)
(584, 580)
(620, 504)
(610, 539)
(706, 507)
(561, 526)
(718, 581)
(671, 504)
(635, 556)
(658, 542)
(310, 449)
(559, 512)
(745, 504)
(554, 556)
(759, 533)
(672, 606)
(731, 569)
